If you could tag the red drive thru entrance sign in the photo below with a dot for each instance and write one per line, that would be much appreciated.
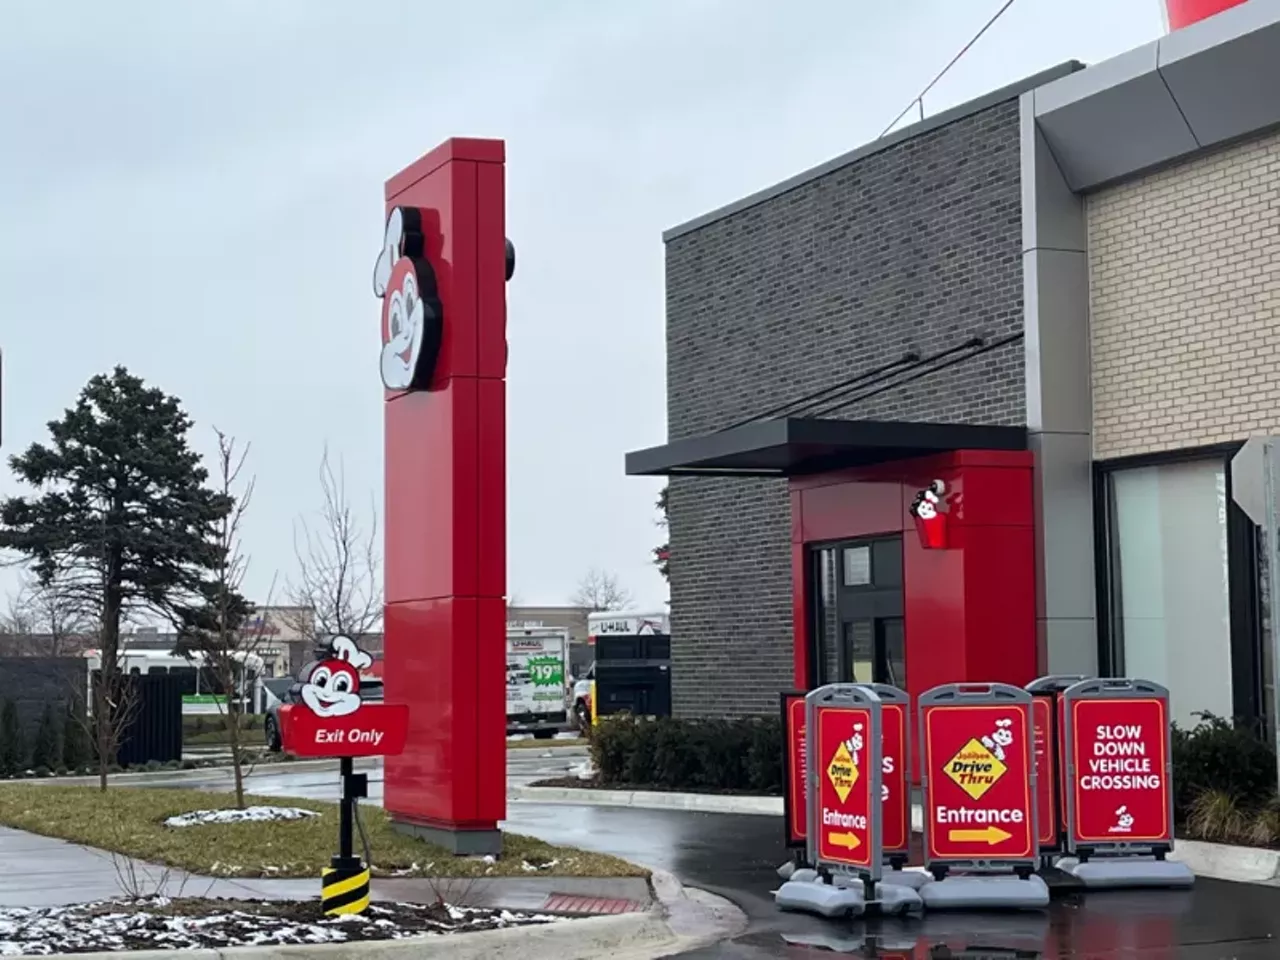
(1118, 767)
(843, 728)
(1046, 715)
(979, 776)
(795, 805)
(895, 769)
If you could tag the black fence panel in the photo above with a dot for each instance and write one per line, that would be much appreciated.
(154, 728)
(633, 675)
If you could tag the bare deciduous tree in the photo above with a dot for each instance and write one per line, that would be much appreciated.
(46, 620)
(219, 632)
(600, 590)
(338, 567)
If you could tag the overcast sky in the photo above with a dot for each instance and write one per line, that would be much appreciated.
(195, 190)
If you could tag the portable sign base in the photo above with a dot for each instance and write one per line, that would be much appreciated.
(979, 781)
(1120, 795)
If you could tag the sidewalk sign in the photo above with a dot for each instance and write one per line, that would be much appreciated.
(1046, 715)
(895, 772)
(333, 720)
(1119, 766)
(843, 752)
(979, 778)
(795, 797)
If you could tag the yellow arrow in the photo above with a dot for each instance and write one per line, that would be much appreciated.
(849, 840)
(991, 835)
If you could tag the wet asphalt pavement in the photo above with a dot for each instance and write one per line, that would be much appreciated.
(736, 857)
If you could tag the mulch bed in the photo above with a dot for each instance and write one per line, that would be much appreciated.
(158, 923)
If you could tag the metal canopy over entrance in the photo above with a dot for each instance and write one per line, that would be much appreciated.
(797, 446)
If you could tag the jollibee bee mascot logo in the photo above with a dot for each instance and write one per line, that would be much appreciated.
(412, 316)
(330, 687)
(930, 509)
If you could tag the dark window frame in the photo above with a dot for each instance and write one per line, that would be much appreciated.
(1242, 577)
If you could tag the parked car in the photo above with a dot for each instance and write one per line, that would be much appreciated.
(285, 690)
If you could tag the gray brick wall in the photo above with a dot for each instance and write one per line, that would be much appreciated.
(917, 247)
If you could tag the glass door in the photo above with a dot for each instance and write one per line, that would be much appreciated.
(856, 614)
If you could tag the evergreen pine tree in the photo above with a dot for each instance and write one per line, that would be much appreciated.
(47, 751)
(119, 514)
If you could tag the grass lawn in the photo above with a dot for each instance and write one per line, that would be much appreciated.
(131, 821)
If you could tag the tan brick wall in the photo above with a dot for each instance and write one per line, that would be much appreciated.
(1185, 303)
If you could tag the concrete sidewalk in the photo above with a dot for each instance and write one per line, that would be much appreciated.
(44, 872)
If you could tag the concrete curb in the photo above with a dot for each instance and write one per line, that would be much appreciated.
(650, 800)
(683, 919)
(1222, 861)
(631, 935)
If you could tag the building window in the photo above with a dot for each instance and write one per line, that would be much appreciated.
(1169, 595)
(857, 566)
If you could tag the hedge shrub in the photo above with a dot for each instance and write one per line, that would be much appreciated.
(1223, 757)
(728, 756)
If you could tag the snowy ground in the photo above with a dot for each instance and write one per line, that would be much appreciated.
(248, 814)
(159, 923)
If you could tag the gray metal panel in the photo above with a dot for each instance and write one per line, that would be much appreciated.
(1063, 478)
(978, 694)
(1103, 688)
(891, 694)
(842, 695)
(875, 146)
(1070, 644)
(1059, 394)
(1224, 72)
(1113, 119)
(1052, 215)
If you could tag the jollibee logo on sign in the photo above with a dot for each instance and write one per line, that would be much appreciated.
(331, 719)
(979, 765)
(931, 511)
(1121, 794)
(895, 798)
(411, 310)
(844, 787)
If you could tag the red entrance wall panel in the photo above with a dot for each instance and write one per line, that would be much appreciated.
(969, 609)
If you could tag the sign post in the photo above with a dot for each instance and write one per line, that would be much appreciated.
(1050, 753)
(795, 799)
(979, 779)
(843, 751)
(326, 717)
(895, 772)
(1120, 801)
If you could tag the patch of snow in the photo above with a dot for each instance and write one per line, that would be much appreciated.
(146, 924)
(586, 770)
(247, 815)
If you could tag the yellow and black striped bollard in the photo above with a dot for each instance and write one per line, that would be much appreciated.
(344, 892)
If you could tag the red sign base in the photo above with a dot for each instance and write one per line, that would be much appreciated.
(375, 730)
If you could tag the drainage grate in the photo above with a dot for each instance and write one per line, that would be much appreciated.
(567, 903)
